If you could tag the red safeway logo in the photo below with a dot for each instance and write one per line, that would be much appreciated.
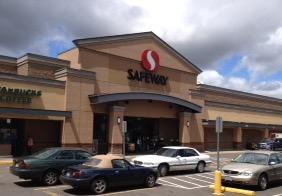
(150, 60)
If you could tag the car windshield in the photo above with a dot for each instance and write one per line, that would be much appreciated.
(94, 162)
(266, 140)
(253, 158)
(43, 154)
(167, 152)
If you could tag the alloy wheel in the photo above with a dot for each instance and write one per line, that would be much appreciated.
(99, 186)
(50, 178)
(150, 181)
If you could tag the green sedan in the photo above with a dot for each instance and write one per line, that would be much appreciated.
(46, 165)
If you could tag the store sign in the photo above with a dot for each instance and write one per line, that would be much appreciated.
(16, 95)
(151, 63)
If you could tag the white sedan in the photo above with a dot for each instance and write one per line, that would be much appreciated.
(174, 158)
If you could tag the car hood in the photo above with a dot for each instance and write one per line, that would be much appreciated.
(151, 158)
(240, 167)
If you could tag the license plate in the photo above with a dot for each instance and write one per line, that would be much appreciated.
(227, 178)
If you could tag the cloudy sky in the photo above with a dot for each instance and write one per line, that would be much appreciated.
(237, 44)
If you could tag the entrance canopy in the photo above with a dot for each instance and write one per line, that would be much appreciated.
(106, 98)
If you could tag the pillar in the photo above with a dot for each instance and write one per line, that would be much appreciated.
(115, 129)
(237, 138)
(184, 128)
(265, 133)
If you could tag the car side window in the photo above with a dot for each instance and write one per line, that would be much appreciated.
(81, 155)
(181, 153)
(190, 153)
(279, 156)
(65, 155)
(273, 158)
(119, 163)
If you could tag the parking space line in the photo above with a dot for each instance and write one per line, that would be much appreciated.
(135, 190)
(51, 187)
(204, 176)
(50, 193)
(186, 181)
(277, 195)
(210, 174)
(176, 185)
(198, 179)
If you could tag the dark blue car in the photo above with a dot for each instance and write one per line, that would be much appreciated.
(104, 171)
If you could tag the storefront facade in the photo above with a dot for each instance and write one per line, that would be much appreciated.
(83, 97)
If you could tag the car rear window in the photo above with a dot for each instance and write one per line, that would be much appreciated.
(93, 162)
(43, 154)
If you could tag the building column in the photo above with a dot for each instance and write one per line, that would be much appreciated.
(115, 129)
(265, 133)
(184, 128)
(237, 138)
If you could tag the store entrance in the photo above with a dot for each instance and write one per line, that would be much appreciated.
(142, 135)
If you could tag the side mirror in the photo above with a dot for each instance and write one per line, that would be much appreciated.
(272, 163)
(178, 157)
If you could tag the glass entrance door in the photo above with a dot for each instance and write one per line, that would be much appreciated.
(100, 134)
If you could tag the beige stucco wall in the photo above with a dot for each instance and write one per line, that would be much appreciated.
(52, 98)
(235, 115)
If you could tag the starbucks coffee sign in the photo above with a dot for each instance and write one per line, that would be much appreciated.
(17, 95)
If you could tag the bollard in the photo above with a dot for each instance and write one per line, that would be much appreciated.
(217, 183)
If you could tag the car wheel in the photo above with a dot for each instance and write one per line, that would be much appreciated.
(262, 182)
(50, 178)
(200, 167)
(99, 186)
(163, 169)
(150, 181)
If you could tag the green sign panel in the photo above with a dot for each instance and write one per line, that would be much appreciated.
(17, 95)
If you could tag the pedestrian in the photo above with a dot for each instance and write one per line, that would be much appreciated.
(30, 144)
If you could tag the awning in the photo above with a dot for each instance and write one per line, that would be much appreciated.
(105, 98)
(34, 112)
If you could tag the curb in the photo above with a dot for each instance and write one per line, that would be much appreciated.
(6, 163)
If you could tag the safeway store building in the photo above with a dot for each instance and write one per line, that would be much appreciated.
(82, 98)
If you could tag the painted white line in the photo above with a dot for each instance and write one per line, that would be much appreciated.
(204, 176)
(186, 181)
(277, 195)
(135, 190)
(210, 174)
(164, 184)
(51, 187)
(183, 187)
(199, 180)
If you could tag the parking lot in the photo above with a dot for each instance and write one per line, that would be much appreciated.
(177, 183)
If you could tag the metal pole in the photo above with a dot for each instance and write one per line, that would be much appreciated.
(217, 147)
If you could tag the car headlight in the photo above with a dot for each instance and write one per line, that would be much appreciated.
(246, 173)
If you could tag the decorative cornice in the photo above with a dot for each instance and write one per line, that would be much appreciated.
(230, 124)
(9, 60)
(238, 93)
(75, 73)
(28, 79)
(49, 61)
(242, 107)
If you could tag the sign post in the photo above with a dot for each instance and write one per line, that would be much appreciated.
(124, 130)
(218, 131)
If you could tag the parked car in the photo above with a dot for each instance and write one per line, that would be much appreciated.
(105, 171)
(266, 143)
(254, 168)
(46, 165)
(173, 158)
(277, 144)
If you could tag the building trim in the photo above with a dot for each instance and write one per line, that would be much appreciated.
(29, 79)
(242, 107)
(76, 73)
(243, 125)
(134, 36)
(35, 112)
(104, 98)
(238, 93)
(10, 60)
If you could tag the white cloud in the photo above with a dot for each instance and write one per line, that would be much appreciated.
(212, 77)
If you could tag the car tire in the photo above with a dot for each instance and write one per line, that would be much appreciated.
(262, 182)
(98, 186)
(150, 181)
(163, 170)
(200, 167)
(50, 178)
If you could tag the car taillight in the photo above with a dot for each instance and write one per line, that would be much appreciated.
(76, 174)
(23, 165)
